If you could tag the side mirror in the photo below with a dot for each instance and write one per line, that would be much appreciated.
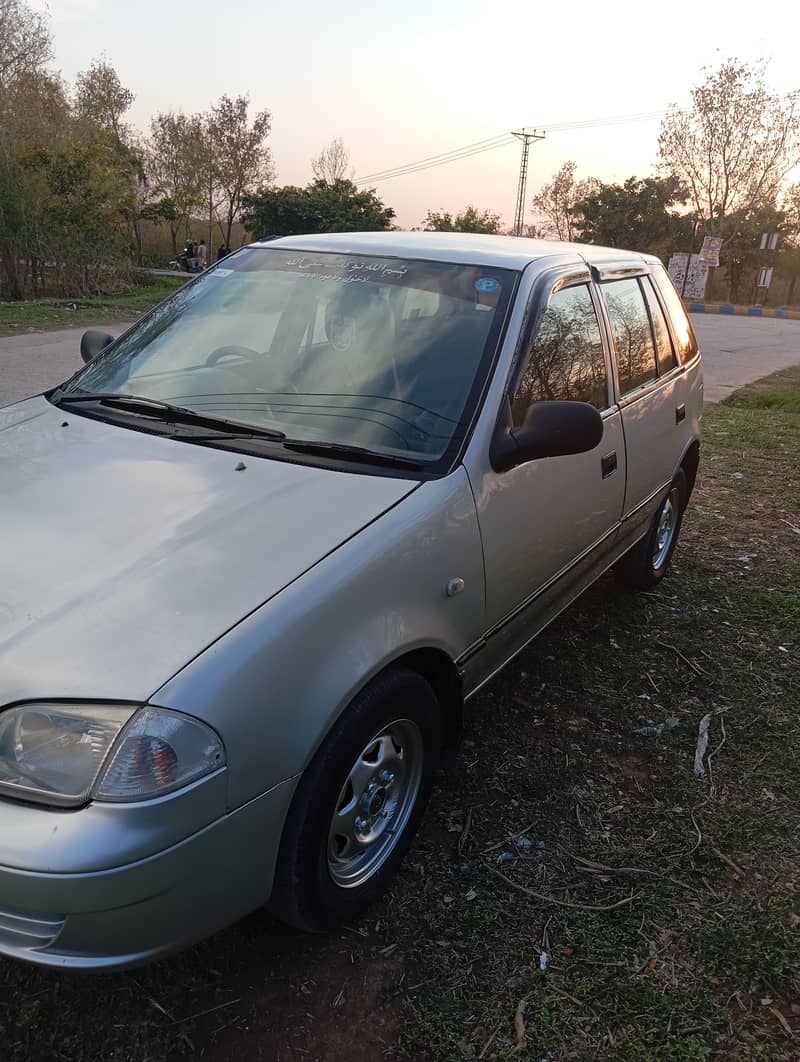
(550, 429)
(94, 342)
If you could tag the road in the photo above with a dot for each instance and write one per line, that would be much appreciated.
(31, 363)
(736, 350)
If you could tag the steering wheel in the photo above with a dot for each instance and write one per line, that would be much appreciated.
(233, 351)
(242, 354)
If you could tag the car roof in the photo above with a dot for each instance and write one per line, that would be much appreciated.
(511, 252)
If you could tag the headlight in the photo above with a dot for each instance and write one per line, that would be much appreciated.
(68, 754)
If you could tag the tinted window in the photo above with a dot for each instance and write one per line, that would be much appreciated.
(566, 360)
(666, 357)
(636, 356)
(684, 336)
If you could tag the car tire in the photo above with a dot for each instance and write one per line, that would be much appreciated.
(646, 564)
(359, 803)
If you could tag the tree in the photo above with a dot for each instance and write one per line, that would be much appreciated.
(239, 159)
(100, 96)
(25, 45)
(333, 163)
(84, 215)
(34, 114)
(33, 111)
(101, 101)
(469, 220)
(743, 256)
(556, 200)
(66, 181)
(176, 146)
(734, 146)
(635, 215)
(788, 257)
(320, 207)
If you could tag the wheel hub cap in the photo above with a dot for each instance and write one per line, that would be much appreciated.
(375, 803)
(665, 528)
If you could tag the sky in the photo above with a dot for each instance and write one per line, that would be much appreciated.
(402, 81)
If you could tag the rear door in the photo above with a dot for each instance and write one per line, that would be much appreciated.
(651, 391)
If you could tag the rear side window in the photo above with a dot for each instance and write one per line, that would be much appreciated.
(566, 360)
(664, 352)
(633, 338)
(684, 336)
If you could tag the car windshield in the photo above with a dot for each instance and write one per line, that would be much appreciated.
(378, 353)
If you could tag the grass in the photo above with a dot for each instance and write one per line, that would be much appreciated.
(667, 904)
(779, 391)
(39, 315)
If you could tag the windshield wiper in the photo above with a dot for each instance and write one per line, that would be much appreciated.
(352, 453)
(165, 411)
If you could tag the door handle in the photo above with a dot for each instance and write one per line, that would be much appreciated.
(680, 413)
(609, 464)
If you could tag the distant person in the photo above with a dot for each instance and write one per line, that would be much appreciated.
(223, 251)
(201, 255)
(187, 256)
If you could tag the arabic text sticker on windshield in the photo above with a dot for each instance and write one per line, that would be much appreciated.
(487, 284)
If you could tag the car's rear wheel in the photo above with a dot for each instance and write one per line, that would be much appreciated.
(359, 803)
(646, 564)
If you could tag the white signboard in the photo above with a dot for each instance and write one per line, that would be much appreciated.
(695, 282)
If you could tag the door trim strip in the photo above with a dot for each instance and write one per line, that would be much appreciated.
(480, 643)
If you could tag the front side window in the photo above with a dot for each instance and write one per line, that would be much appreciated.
(566, 361)
(633, 338)
(379, 353)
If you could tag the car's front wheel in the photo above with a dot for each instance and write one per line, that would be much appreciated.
(359, 803)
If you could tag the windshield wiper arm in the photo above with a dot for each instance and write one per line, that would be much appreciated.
(352, 453)
(175, 414)
(117, 398)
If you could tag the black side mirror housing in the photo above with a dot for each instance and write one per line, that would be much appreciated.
(94, 342)
(550, 429)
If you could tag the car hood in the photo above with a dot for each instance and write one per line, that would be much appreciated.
(123, 554)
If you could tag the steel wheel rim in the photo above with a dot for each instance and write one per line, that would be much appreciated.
(375, 803)
(665, 527)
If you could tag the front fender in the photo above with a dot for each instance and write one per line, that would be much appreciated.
(274, 684)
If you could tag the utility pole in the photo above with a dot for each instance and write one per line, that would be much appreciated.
(522, 187)
(696, 226)
(210, 212)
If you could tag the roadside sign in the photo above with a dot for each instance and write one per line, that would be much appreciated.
(709, 252)
(692, 286)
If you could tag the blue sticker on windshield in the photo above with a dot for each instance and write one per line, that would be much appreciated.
(487, 284)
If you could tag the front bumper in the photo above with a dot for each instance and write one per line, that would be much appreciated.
(123, 916)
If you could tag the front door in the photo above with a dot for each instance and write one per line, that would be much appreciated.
(547, 525)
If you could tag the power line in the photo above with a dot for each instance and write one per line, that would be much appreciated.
(453, 158)
(439, 160)
(503, 139)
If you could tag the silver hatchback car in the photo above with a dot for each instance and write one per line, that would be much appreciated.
(259, 551)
